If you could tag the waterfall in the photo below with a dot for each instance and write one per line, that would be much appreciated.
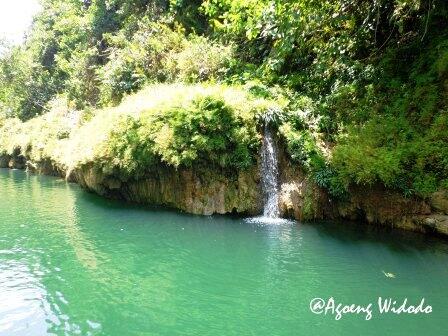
(269, 174)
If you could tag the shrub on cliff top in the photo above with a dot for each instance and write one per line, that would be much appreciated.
(173, 125)
(39, 138)
(180, 126)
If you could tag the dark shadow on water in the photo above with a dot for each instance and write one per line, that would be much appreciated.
(397, 240)
(117, 204)
(346, 232)
(109, 204)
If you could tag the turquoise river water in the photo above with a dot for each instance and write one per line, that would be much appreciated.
(72, 263)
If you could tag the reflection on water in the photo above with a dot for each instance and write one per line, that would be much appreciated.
(23, 305)
(73, 263)
(84, 249)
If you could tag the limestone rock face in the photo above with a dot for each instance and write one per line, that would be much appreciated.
(207, 191)
(17, 162)
(211, 192)
(378, 205)
(440, 224)
(4, 161)
(432, 223)
(45, 167)
(300, 198)
(439, 201)
(197, 192)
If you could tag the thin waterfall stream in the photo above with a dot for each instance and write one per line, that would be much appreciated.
(269, 174)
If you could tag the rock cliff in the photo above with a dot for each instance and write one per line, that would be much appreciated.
(206, 192)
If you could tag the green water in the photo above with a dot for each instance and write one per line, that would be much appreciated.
(73, 263)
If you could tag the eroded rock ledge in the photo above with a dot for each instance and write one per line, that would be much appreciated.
(199, 192)
(208, 192)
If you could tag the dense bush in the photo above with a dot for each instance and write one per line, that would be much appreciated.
(400, 142)
(172, 125)
(39, 138)
(362, 86)
(25, 86)
(156, 53)
(201, 60)
(144, 58)
(213, 126)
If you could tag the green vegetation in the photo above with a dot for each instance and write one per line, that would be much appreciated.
(358, 87)
(173, 125)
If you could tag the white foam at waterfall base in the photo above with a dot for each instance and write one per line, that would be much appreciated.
(263, 220)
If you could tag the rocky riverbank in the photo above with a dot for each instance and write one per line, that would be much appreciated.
(197, 149)
(205, 192)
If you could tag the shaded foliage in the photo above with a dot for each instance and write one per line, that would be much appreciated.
(363, 83)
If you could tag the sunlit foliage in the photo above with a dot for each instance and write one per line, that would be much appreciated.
(362, 84)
